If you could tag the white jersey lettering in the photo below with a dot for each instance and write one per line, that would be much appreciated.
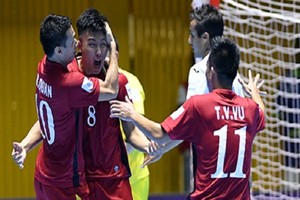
(230, 112)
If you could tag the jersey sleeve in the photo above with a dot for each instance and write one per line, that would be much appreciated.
(180, 124)
(123, 82)
(84, 91)
(256, 116)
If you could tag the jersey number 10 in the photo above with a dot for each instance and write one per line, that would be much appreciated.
(46, 125)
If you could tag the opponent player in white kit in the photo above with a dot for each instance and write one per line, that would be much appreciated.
(221, 126)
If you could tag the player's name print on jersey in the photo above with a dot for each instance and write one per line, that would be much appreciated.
(230, 112)
(44, 88)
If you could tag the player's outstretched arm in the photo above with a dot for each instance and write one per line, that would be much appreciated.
(21, 149)
(135, 137)
(126, 112)
(159, 151)
(137, 140)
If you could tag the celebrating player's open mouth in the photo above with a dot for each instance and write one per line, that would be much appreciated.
(97, 63)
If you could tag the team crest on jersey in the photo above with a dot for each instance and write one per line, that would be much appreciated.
(87, 85)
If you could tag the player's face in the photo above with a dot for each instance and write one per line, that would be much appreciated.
(94, 48)
(69, 50)
(198, 44)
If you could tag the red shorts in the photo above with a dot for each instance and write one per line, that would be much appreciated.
(45, 192)
(107, 189)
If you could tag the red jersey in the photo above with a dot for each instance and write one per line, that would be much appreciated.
(221, 126)
(104, 149)
(60, 94)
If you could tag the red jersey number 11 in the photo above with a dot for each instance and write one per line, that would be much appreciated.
(222, 134)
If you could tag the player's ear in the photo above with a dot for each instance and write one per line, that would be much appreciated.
(206, 36)
(209, 72)
(79, 44)
(58, 50)
(206, 39)
(212, 72)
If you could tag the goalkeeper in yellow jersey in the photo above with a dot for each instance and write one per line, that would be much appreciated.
(139, 179)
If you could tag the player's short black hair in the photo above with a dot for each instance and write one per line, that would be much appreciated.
(91, 20)
(224, 58)
(53, 32)
(208, 19)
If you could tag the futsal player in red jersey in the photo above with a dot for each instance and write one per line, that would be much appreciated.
(61, 93)
(221, 125)
(106, 163)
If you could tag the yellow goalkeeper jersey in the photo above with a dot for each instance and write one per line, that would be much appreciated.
(136, 158)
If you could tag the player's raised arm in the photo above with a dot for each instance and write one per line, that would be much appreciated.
(247, 90)
(254, 90)
(109, 87)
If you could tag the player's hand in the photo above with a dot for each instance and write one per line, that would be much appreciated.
(109, 35)
(247, 88)
(150, 159)
(121, 109)
(154, 148)
(19, 154)
(110, 38)
(155, 152)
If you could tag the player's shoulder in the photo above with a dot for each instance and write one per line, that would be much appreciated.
(126, 73)
(198, 68)
(122, 79)
(132, 80)
(73, 66)
(208, 97)
(247, 102)
(130, 76)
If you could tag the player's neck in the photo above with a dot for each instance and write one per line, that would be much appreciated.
(56, 60)
(217, 85)
(80, 64)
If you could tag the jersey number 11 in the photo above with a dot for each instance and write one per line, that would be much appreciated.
(238, 173)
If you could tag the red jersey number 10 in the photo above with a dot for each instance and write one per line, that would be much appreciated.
(47, 125)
